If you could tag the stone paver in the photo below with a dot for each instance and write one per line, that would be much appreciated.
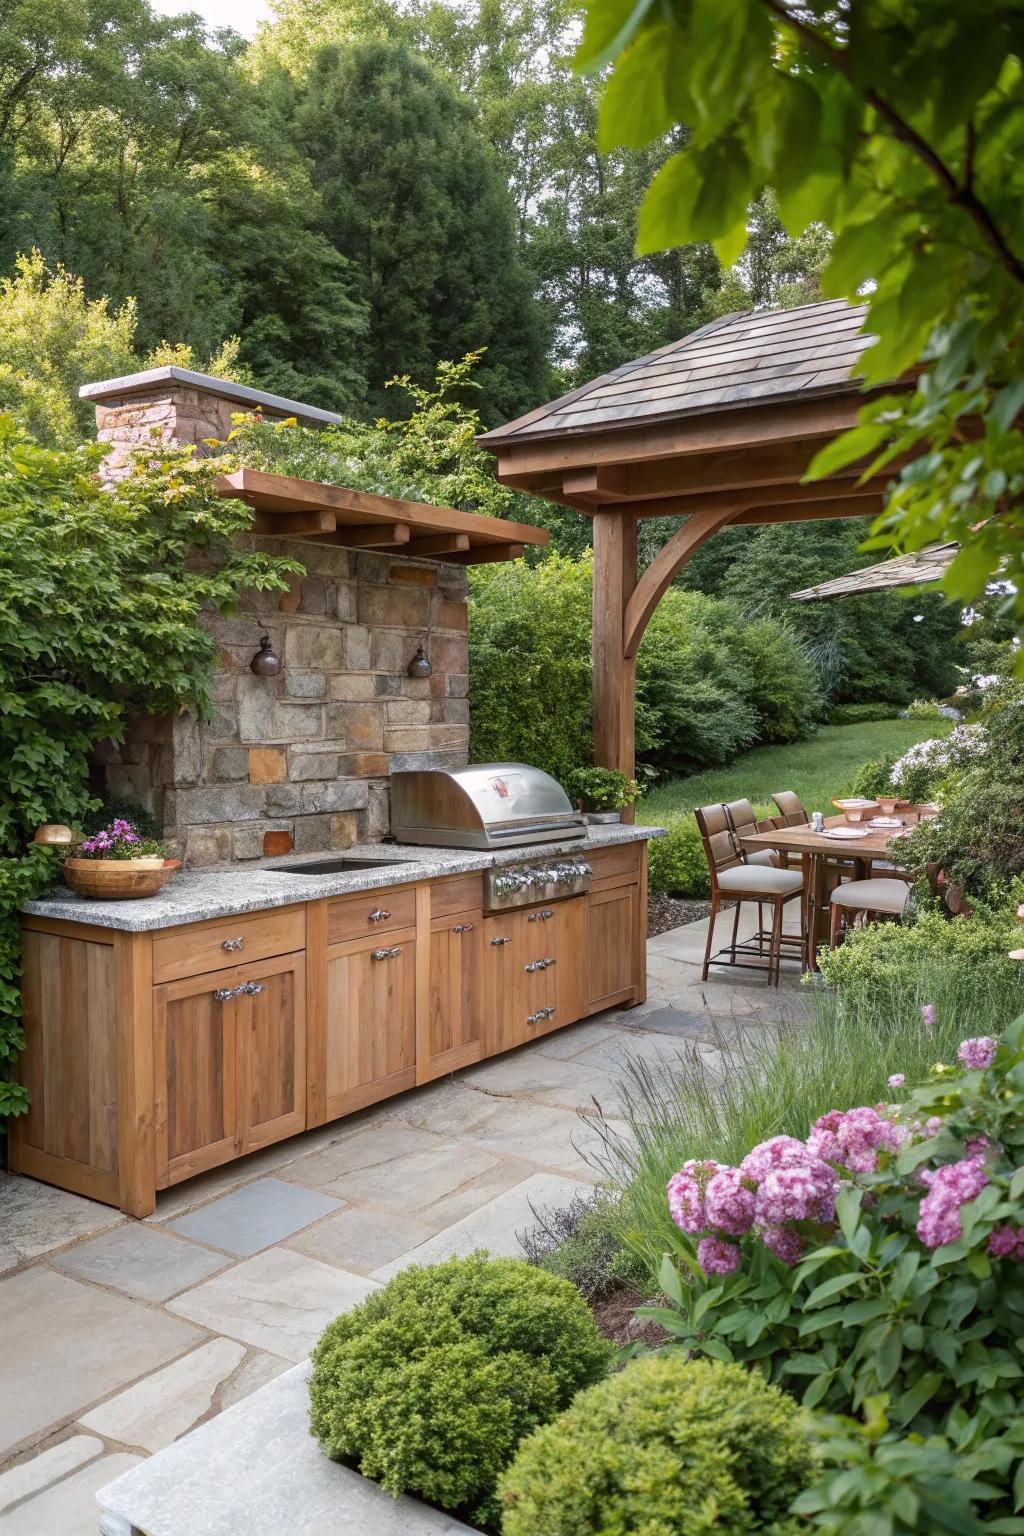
(65, 1345)
(494, 1226)
(34, 1219)
(165, 1405)
(140, 1261)
(280, 1301)
(255, 1217)
(30, 1477)
(116, 1337)
(68, 1508)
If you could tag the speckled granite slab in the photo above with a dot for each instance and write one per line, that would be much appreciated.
(193, 895)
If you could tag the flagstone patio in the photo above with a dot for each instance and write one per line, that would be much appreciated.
(118, 1336)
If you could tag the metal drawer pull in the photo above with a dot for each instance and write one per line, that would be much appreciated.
(379, 915)
(501, 941)
(540, 917)
(463, 928)
(244, 989)
(386, 954)
(233, 944)
(540, 965)
(540, 1015)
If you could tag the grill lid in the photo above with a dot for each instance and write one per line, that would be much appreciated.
(490, 804)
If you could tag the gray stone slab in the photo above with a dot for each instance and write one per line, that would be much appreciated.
(279, 1301)
(170, 1402)
(49, 1466)
(496, 1226)
(36, 1218)
(393, 1167)
(257, 1470)
(193, 895)
(140, 1261)
(65, 1345)
(255, 1216)
(566, 1043)
(69, 1507)
(541, 1133)
(360, 1239)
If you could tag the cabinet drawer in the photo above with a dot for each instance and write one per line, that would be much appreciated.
(229, 941)
(372, 912)
(463, 893)
(621, 862)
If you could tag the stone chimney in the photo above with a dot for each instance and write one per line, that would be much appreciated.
(307, 753)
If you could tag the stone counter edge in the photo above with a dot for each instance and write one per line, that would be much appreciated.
(194, 896)
(256, 1469)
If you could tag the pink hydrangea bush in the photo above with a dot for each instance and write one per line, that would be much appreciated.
(119, 841)
(881, 1257)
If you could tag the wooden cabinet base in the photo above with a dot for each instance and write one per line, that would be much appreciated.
(151, 1058)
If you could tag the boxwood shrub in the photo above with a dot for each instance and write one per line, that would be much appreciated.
(668, 1445)
(430, 1384)
(677, 862)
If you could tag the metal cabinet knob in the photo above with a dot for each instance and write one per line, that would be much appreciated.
(540, 1015)
(233, 944)
(386, 954)
(463, 928)
(379, 915)
(540, 965)
(244, 989)
(501, 941)
(540, 917)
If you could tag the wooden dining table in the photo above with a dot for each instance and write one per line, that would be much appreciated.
(814, 850)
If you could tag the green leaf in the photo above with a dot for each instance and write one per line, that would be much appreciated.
(887, 1360)
(669, 1280)
(609, 28)
(832, 1287)
(634, 106)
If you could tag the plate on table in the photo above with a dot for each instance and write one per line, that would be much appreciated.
(846, 834)
(884, 823)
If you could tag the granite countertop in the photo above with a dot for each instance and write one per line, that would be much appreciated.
(193, 895)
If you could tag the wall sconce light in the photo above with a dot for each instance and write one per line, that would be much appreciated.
(266, 662)
(420, 664)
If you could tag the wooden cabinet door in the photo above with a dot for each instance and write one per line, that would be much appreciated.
(532, 963)
(194, 1068)
(505, 1004)
(456, 1018)
(271, 1051)
(613, 947)
(369, 1021)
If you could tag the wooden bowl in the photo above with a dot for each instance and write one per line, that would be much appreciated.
(116, 879)
(856, 812)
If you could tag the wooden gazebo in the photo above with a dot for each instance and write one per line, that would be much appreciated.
(717, 429)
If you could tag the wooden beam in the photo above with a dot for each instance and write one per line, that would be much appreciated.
(293, 525)
(653, 583)
(440, 544)
(487, 554)
(778, 499)
(869, 504)
(284, 493)
(375, 536)
(614, 707)
(594, 485)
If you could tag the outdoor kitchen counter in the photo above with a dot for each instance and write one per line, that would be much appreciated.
(192, 896)
(169, 1035)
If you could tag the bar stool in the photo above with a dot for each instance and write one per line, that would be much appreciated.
(877, 897)
(743, 820)
(791, 808)
(734, 880)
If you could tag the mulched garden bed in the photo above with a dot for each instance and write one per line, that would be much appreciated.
(665, 912)
(613, 1315)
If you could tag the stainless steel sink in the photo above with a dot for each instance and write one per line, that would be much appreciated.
(331, 866)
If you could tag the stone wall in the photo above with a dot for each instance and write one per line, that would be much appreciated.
(308, 752)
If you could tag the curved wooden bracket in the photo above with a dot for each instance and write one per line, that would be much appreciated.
(651, 587)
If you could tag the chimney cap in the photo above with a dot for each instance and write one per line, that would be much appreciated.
(242, 394)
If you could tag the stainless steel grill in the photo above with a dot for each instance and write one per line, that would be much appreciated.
(526, 884)
(487, 805)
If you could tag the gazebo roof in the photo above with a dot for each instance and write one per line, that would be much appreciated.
(757, 355)
(925, 565)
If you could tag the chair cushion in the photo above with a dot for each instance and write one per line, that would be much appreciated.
(759, 880)
(872, 895)
(763, 856)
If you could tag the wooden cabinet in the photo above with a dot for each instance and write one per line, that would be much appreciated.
(532, 978)
(456, 992)
(609, 958)
(228, 1064)
(369, 1024)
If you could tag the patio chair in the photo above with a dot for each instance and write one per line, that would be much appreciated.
(743, 820)
(791, 808)
(734, 880)
(877, 897)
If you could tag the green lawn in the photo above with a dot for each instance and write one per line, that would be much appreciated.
(817, 769)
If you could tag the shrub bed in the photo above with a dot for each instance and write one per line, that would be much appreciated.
(676, 863)
(429, 1385)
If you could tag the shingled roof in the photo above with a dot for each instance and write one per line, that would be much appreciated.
(752, 357)
(925, 565)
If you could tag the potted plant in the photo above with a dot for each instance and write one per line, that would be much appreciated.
(603, 793)
(117, 864)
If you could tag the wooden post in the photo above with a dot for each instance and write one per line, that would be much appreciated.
(614, 708)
